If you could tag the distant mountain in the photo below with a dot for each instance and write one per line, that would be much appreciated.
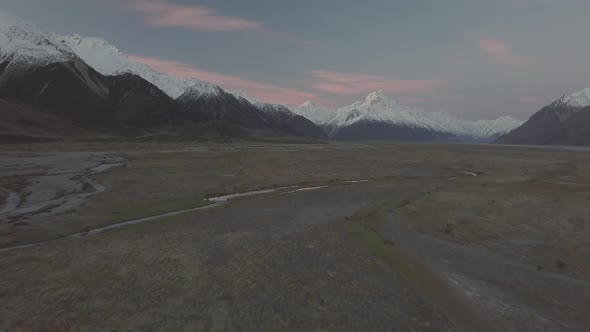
(317, 114)
(91, 84)
(379, 117)
(282, 118)
(109, 60)
(564, 122)
(287, 122)
(205, 102)
(492, 129)
(198, 95)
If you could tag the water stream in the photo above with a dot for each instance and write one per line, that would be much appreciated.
(213, 203)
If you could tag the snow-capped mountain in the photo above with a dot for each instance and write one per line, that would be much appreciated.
(563, 122)
(283, 118)
(22, 43)
(262, 105)
(317, 114)
(498, 127)
(38, 71)
(378, 109)
(288, 122)
(578, 99)
(201, 90)
(204, 102)
(109, 60)
(70, 73)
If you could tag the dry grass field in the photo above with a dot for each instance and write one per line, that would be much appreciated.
(440, 237)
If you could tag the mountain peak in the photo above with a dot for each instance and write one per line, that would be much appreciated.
(379, 98)
(204, 89)
(88, 42)
(22, 42)
(308, 104)
(579, 99)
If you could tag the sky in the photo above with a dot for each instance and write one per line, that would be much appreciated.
(475, 59)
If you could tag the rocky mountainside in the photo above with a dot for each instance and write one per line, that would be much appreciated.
(124, 104)
(287, 122)
(282, 118)
(92, 84)
(208, 103)
(566, 121)
(38, 70)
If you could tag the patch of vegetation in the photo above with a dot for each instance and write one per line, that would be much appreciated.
(365, 224)
(135, 211)
(560, 264)
(449, 228)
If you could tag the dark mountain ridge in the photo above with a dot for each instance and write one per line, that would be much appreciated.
(564, 122)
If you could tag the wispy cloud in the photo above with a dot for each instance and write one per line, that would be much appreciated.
(159, 13)
(500, 52)
(268, 92)
(350, 84)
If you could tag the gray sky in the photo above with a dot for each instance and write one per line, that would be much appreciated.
(473, 58)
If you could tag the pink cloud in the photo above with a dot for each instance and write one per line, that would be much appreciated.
(161, 14)
(501, 53)
(267, 92)
(348, 84)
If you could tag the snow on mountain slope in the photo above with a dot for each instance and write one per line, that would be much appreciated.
(578, 99)
(278, 112)
(262, 105)
(109, 60)
(201, 89)
(22, 43)
(282, 118)
(500, 126)
(317, 114)
(379, 108)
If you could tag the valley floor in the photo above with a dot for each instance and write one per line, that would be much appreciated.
(375, 236)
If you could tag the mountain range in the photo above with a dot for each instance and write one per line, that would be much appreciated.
(93, 88)
(93, 85)
(109, 60)
(378, 116)
(397, 122)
